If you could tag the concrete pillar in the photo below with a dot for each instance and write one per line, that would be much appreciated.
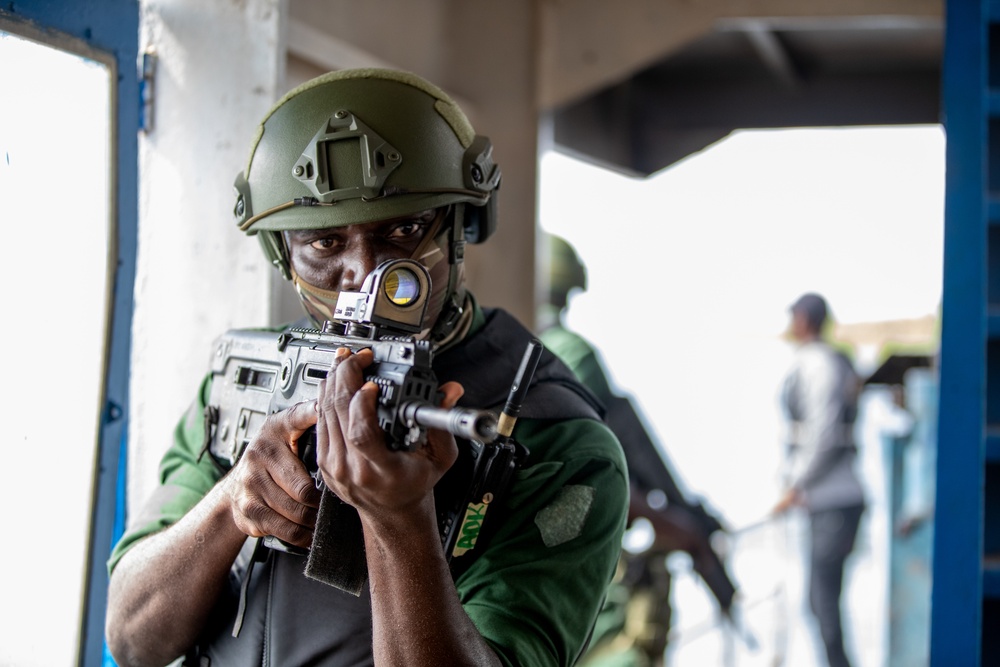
(490, 58)
(219, 68)
(483, 54)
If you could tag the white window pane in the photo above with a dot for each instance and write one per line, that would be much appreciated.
(55, 126)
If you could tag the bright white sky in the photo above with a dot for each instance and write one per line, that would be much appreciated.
(764, 215)
(691, 273)
(54, 201)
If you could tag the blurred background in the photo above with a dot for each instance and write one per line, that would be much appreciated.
(690, 276)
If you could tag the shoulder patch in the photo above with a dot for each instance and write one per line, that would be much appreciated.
(563, 519)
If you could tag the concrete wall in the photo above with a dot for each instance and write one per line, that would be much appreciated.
(220, 67)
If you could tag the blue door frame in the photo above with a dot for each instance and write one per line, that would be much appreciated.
(966, 596)
(110, 26)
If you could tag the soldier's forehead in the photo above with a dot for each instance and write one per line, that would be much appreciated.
(426, 215)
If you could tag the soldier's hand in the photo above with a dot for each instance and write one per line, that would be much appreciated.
(384, 485)
(789, 499)
(269, 490)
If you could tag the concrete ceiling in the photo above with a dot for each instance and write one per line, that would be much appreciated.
(631, 85)
(759, 73)
(637, 85)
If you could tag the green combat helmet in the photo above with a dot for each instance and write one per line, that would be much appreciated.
(358, 146)
(566, 271)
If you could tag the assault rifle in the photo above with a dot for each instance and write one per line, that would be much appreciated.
(651, 473)
(257, 373)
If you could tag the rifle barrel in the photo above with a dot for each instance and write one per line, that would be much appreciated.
(479, 425)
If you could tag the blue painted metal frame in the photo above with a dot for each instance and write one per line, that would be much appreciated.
(956, 615)
(111, 26)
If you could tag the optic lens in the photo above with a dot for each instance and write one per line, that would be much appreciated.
(402, 287)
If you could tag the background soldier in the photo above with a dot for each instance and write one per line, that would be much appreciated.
(635, 623)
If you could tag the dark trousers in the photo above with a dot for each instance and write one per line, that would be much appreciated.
(832, 536)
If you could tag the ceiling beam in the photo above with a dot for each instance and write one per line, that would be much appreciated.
(330, 53)
(320, 49)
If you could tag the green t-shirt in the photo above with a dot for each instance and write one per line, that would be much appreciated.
(535, 588)
(581, 357)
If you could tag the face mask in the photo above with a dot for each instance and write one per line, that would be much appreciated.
(318, 303)
(447, 281)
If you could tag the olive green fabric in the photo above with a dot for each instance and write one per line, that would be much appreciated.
(577, 353)
(631, 628)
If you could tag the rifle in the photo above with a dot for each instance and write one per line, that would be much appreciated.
(257, 373)
(650, 472)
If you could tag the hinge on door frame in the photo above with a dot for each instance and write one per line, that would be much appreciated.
(147, 78)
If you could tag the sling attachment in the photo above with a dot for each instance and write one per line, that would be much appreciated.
(211, 416)
(260, 553)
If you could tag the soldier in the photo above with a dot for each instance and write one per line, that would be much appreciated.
(346, 171)
(635, 623)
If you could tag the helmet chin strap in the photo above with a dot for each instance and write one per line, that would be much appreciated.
(454, 308)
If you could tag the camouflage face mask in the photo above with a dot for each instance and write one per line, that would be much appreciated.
(447, 281)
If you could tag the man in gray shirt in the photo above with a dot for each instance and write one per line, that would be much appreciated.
(820, 398)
